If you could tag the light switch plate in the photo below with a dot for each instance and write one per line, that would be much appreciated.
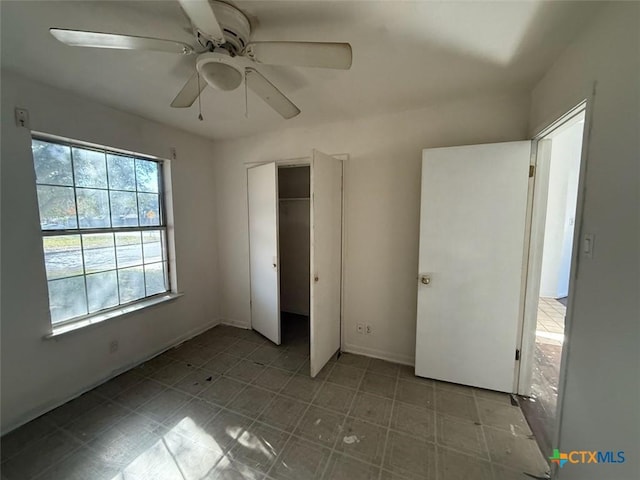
(22, 117)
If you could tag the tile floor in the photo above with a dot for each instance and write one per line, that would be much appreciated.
(230, 405)
(540, 408)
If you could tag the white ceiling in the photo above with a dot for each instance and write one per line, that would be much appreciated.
(405, 55)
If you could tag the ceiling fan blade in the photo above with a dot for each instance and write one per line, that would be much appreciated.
(201, 14)
(189, 93)
(270, 94)
(80, 38)
(302, 54)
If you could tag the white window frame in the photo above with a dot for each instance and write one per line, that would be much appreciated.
(170, 293)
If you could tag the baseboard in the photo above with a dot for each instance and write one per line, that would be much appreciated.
(48, 406)
(235, 323)
(382, 355)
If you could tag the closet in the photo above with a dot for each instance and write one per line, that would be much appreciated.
(294, 229)
(295, 252)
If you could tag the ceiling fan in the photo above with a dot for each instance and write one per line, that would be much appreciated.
(224, 53)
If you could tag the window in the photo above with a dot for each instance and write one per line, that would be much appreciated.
(103, 227)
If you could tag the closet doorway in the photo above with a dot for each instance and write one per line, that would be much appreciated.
(295, 253)
(294, 232)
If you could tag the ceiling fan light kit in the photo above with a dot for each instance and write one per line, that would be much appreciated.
(219, 70)
(225, 53)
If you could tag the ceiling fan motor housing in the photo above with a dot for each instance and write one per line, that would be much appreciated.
(235, 25)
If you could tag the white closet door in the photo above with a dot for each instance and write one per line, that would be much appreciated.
(472, 228)
(326, 258)
(262, 188)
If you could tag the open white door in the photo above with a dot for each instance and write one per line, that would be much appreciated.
(262, 188)
(326, 258)
(472, 232)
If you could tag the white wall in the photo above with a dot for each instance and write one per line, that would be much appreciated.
(564, 169)
(38, 374)
(602, 391)
(382, 200)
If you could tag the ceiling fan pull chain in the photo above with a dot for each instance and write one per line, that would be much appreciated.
(199, 101)
(246, 96)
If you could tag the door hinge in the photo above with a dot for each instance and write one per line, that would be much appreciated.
(517, 354)
(532, 170)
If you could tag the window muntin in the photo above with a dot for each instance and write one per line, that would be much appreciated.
(103, 227)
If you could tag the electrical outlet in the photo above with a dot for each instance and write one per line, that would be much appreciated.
(369, 329)
(360, 328)
(113, 346)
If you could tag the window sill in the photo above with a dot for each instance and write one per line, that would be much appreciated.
(101, 317)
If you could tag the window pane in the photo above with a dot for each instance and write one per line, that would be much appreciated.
(52, 163)
(57, 208)
(131, 282)
(99, 252)
(62, 256)
(102, 290)
(148, 209)
(128, 249)
(90, 168)
(155, 278)
(67, 298)
(147, 175)
(124, 209)
(121, 172)
(152, 246)
(93, 208)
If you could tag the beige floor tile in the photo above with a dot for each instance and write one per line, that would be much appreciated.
(352, 360)
(220, 363)
(251, 401)
(81, 465)
(505, 417)
(259, 446)
(300, 460)
(196, 410)
(195, 382)
(342, 467)
(163, 405)
(410, 458)
(514, 451)
(320, 426)
(302, 388)
(462, 435)
(362, 440)
(453, 387)
(383, 367)
(416, 421)
(414, 393)
(457, 466)
(378, 385)
(39, 456)
(457, 405)
(346, 376)
(283, 413)
(222, 391)
(272, 379)
(334, 397)
(372, 408)
(225, 428)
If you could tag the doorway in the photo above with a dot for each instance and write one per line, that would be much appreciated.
(295, 253)
(294, 209)
(551, 254)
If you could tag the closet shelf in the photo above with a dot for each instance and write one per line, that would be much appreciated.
(294, 199)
